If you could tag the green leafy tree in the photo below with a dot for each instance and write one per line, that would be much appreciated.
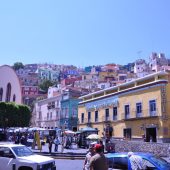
(10, 115)
(46, 84)
(24, 115)
(17, 66)
(2, 113)
(13, 115)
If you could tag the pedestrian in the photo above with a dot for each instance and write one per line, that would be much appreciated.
(168, 153)
(101, 143)
(56, 143)
(62, 144)
(23, 140)
(89, 154)
(50, 144)
(98, 161)
(135, 162)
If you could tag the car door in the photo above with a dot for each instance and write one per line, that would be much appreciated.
(118, 163)
(149, 165)
(7, 158)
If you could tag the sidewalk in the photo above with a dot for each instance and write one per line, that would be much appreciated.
(73, 154)
(74, 149)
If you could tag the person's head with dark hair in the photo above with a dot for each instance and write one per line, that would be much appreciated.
(98, 148)
(101, 142)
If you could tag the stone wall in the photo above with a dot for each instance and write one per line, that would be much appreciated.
(160, 149)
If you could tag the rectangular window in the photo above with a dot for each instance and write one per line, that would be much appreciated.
(66, 113)
(107, 115)
(57, 115)
(152, 107)
(74, 112)
(127, 112)
(40, 115)
(82, 118)
(114, 113)
(89, 117)
(96, 116)
(138, 109)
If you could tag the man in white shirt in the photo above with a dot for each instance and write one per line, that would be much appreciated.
(136, 162)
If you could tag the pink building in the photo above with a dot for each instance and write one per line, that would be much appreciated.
(10, 88)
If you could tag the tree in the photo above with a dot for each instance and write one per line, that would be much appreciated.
(13, 115)
(17, 66)
(46, 84)
(24, 115)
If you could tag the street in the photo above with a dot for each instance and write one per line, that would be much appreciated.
(62, 164)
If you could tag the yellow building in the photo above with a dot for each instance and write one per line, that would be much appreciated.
(134, 110)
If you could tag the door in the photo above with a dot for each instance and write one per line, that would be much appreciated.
(151, 134)
(7, 158)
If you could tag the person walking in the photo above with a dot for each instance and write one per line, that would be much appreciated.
(62, 144)
(56, 142)
(98, 161)
(50, 144)
(88, 157)
(135, 162)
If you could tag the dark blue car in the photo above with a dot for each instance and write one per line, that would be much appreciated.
(120, 161)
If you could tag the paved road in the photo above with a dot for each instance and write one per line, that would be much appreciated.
(62, 164)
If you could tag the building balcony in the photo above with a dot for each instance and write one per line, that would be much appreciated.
(153, 113)
(114, 118)
(127, 116)
(138, 114)
(38, 119)
(106, 119)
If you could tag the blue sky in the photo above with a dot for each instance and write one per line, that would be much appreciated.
(83, 32)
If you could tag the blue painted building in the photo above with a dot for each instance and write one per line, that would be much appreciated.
(69, 109)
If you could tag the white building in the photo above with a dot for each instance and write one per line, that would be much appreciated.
(47, 111)
(156, 61)
(141, 68)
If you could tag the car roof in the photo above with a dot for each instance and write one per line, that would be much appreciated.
(124, 154)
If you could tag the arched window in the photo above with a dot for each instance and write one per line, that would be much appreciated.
(8, 92)
(14, 98)
(1, 93)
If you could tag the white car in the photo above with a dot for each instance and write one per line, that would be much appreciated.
(20, 157)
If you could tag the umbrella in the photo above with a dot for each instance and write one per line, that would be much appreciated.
(93, 136)
(69, 132)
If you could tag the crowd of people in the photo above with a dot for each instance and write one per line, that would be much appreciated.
(95, 158)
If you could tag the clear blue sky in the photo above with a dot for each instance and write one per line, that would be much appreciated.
(83, 32)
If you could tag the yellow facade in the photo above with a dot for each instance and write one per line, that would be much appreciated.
(104, 74)
(142, 105)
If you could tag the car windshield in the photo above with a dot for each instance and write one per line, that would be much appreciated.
(22, 151)
(159, 161)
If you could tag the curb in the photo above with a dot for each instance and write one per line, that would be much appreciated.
(70, 156)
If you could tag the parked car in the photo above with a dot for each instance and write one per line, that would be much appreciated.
(120, 161)
(20, 157)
